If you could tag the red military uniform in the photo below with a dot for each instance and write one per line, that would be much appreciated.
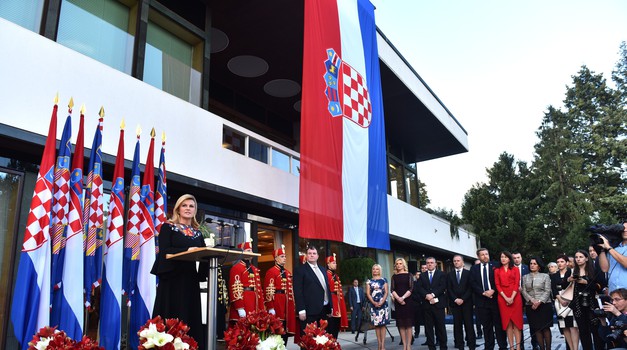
(337, 296)
(245, 288)
(278, 286)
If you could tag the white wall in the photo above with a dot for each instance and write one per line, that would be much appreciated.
(33, 69)
(409, 222)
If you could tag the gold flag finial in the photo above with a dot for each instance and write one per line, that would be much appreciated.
(122, 124)
(153, 133)
(163, 136)
(138, 130)
(83, 108)
(101, 113)
(71, 103)
(56, 98)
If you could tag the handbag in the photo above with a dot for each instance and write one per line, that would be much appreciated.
(567, 294)
(562, 311)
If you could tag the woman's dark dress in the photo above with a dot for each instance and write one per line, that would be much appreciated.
(178, 292)
(401, 283)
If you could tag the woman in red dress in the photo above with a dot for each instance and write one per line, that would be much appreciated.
(507, 279)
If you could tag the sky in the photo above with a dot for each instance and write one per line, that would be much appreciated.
(497, 65)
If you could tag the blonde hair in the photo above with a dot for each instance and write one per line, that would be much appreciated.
(404, 265)
(175, 212)
(379, 266)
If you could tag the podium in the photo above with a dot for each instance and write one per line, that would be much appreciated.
(215, 257)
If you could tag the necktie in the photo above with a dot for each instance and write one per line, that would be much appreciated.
(458, 276)
(430, 277)
(485, 277)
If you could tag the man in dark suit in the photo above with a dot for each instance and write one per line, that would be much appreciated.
(356, 301)
(523, 269)
(432, 292)
(311, 291)
(486, 306)
(459, 295)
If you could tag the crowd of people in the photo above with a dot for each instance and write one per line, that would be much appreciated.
(586, 292)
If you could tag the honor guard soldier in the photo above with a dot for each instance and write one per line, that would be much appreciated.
(246, 294)
(338, 318)
(279, 291)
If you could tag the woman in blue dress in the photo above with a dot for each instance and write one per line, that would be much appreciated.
(377, 292)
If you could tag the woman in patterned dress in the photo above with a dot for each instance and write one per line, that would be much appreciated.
(377, 294)
(178, 292)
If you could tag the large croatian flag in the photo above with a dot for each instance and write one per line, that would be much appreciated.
(343, 182)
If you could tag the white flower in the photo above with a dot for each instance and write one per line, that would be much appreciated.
(42, 344)
(273, 342)
(149, 332)
(162, 338)
(180, 345)
(154, 337)
(321, 339)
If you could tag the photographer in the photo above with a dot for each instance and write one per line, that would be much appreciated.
(615, 334)
(614, 260)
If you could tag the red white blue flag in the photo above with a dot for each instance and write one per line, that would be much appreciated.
(30, 308)
(111, 293)
(161, 196)
(144, 301)
(131, 241)
(93, 217)
(60, 209)
(71, 307)
(343, 181)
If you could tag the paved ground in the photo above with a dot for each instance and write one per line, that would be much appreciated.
(348, 342)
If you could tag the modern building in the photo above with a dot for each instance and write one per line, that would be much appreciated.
(222, 79)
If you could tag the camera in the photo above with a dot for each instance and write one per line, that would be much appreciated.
(575, 275)
(615, 339)
(613, 233)
(585, 300)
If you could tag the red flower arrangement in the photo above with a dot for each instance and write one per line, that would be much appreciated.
(170, 334)
(316, 338)
(50, 338)
(251, 330)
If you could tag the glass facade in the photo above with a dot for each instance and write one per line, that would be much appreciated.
(98, 29)
(257, 150)
(280, 160)
(26, 13)
(168, 64)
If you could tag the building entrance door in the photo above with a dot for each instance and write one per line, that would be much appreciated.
(270, 238)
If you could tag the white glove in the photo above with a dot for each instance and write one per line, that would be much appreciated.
(241, 312)
(271, 311)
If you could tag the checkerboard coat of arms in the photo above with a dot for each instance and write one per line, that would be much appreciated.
(346, 91)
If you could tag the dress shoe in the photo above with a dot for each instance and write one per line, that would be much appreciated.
(425, 343)
(412, 340)
(352, 332)
(401, 343)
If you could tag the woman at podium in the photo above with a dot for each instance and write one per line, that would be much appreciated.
(178, 291)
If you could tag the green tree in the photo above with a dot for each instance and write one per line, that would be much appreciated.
(501, 212)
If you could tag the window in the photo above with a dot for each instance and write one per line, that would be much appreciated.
(11, 186)
(295, 166)
(173, 59)
(257, 150)
(280, 160)
(234, 141)
(397, 181)
(26, 13)
(411, 183)
(98, 29)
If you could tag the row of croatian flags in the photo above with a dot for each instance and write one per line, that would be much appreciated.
(63, 256)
